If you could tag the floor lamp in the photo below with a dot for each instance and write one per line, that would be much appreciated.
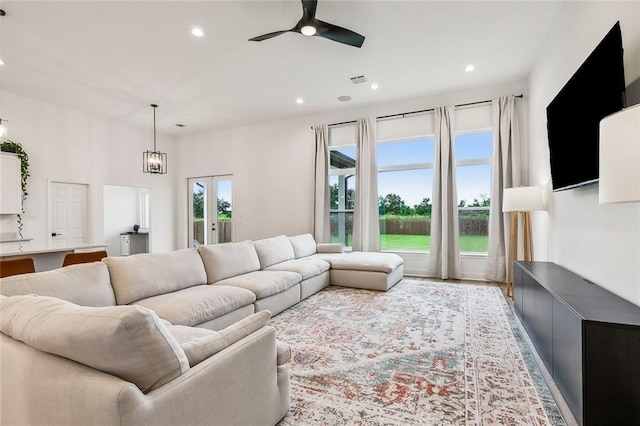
(523, 199)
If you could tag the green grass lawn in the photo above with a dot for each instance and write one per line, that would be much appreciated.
(397, 242)
(468, 243)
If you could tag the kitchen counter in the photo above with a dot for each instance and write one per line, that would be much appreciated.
(46, 256)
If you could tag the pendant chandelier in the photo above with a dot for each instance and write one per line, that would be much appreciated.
(154, 162)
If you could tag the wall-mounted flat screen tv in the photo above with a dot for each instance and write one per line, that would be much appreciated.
(596, 90)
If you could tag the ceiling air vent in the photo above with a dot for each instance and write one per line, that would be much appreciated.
(358, 79)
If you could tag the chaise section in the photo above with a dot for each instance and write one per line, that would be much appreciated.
(369, 270)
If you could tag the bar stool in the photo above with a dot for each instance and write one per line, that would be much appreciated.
(83, 257)
(16, 266)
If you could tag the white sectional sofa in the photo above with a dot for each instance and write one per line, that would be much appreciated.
(167, 338)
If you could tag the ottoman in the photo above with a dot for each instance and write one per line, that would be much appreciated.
(370, 270)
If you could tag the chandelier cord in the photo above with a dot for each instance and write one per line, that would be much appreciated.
(154, 126)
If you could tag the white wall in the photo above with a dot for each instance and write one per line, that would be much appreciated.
(121, 212)
(273, 166)
(600, 243)
(67, 145)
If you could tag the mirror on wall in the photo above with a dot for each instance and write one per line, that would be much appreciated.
(126, 219)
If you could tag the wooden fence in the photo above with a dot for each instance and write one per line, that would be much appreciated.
(418, 226)
(224, 231)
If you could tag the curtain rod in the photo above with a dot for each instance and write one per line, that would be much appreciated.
(417, 112)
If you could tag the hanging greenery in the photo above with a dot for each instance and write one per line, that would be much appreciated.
(16, 148)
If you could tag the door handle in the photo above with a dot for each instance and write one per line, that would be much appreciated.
(53, 234)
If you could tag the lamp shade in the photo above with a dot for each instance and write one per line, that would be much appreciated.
(523, 199)
(619, 180)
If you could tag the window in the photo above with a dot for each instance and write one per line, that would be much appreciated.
(342, 185)
(405, 181)
(405, 156)
(473, 178)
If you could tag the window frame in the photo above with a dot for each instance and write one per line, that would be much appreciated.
(480, 161)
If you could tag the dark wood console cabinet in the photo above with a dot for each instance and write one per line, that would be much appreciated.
(588, 339)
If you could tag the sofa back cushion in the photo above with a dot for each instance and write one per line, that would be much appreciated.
(85, 284)
(303, 245)
(274, 250)
(144, 275)
(129, 342)
(228, 260)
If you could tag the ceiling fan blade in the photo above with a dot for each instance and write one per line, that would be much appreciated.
(339, 34)
(268, 36)
(309, 10)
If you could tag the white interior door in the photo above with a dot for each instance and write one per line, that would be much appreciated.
(210, 210)
(69, 213)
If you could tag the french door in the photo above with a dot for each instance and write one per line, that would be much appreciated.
(210, 210)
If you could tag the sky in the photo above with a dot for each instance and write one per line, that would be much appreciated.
(473, 181)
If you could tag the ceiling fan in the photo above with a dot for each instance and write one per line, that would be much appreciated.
(310, 26)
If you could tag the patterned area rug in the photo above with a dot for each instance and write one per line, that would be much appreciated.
(421, 353)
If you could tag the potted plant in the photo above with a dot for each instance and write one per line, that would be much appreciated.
(16, 148)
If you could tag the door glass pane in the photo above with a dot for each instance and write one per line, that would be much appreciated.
(198, 203)
(224, 209)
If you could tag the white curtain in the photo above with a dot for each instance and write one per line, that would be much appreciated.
(366, 223)
(506, 173)
(321, 202)
(444, 257)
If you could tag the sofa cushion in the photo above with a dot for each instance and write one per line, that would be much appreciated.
(274, 250)
(264, 283)
(368, 261)
(330, 248)
(308, 268)
(129, 342)
(200, 343)
(144, 275)
(195, 305)
(327, 257)
(303, 245)
(85, 284)
(228, 260)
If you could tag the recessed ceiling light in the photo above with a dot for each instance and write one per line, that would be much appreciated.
(299, 101)
(196, 31)
(374, 86)
(469, 68)
(344, 98)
